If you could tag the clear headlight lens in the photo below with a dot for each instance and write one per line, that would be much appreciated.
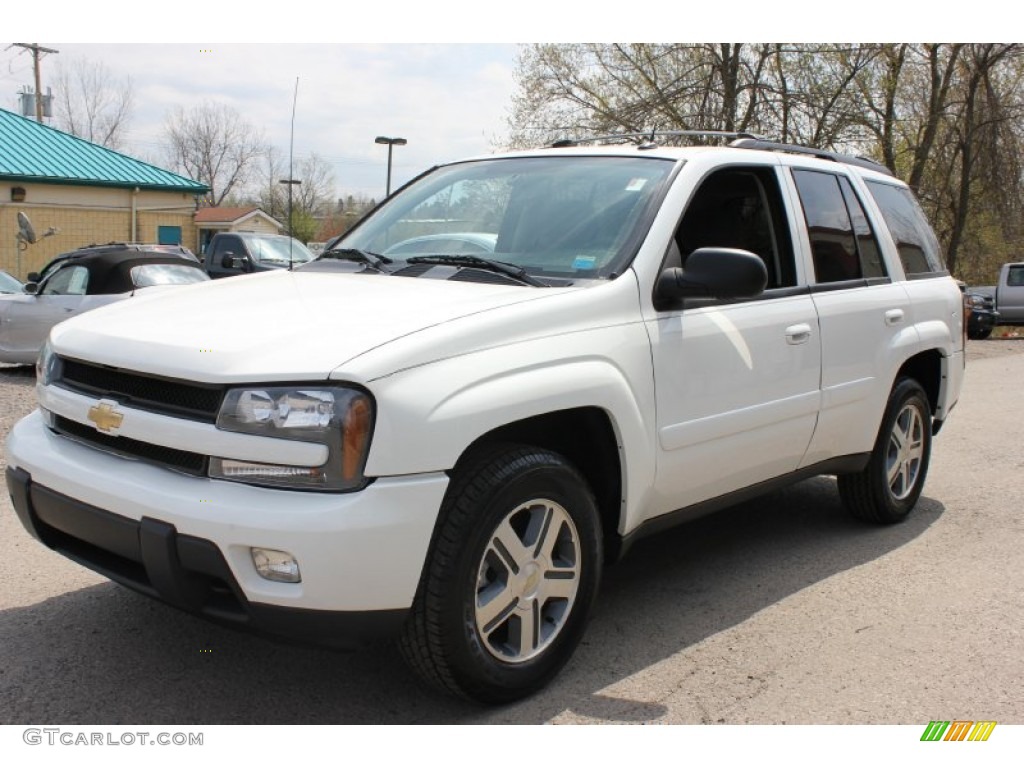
(339, 417)
(47, 364)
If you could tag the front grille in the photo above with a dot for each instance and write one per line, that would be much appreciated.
(171, 458)
(149, 393)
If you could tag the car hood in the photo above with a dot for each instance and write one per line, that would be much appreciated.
(273, 326)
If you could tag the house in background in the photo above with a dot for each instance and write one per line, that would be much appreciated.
(89, 193)
(210, 221)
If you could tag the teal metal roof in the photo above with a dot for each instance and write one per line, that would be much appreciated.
(31, 151)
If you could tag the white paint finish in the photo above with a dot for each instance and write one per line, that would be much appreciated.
(736, 408)
(861, 352)
(275, 326)
(187, 435)
(357, 551)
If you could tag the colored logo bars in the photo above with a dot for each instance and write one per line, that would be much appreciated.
(958, 730)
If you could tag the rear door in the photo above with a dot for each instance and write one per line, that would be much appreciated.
(864, 317)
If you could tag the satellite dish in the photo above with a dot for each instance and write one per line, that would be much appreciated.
(26, 231)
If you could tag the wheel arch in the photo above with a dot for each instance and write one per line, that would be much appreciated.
(587, 438)
(927, 369)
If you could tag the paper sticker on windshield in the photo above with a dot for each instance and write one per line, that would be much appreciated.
(635, 185)
(584, 262)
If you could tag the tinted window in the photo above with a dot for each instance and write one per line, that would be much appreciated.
(228, 244)
(1015, 276)
(915, 241)
(69, 281)
(833, 244)
(740, 208)
(871, 264)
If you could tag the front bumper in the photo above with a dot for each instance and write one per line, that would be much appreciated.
(186, 540)
(981, 320)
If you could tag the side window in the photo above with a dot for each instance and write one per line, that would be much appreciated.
(1015, 277)
(740, 208)
(871, 264)
(833, 245)
(915, 241)
(228, 244)
(68, 281)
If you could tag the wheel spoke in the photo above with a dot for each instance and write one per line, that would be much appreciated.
(528, 625)
(560, 583)
(547, 535)
(509, 547)
(894, 470)
(495, 608)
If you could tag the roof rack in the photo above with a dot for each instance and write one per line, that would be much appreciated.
(647, 139)
(745, 142)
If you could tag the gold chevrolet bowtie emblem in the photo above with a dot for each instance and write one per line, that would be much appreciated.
(105, 416)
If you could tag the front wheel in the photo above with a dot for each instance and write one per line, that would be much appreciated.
(889, 487)
(979, 334)
(512, 574)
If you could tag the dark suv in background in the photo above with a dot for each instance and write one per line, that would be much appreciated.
(238, 253)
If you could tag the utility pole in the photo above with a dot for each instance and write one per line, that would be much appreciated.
(37, 49)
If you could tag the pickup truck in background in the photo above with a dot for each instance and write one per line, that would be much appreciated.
(1001, 304)
(239, 253)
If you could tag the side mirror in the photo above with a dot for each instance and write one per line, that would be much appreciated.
(231, 261)
(31, 287)
(712, 273)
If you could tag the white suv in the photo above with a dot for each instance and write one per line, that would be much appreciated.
(443, 428)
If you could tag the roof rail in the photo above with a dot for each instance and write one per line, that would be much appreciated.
(647, 139)
(774, 146)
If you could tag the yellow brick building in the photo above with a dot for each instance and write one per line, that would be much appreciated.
(85, 194)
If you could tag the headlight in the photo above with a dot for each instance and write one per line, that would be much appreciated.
(47, 365)
(339, 417)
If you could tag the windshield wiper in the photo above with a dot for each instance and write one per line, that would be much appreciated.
(477, 262)
(373, 260)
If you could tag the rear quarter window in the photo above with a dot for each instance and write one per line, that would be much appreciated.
(915, 241)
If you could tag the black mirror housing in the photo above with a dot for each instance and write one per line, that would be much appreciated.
(712, 273)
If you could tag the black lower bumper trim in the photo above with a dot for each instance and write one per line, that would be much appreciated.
(152, 557)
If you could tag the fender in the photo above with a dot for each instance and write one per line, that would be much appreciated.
(429, 415)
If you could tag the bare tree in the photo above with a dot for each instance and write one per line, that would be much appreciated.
(91, 102)
(214, 144)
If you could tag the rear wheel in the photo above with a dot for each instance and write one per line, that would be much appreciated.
(889, 487)
(979, 334)
(510, 579)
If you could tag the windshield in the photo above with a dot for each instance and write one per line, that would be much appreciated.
(564, 216)
(147, 275)
(276, 249)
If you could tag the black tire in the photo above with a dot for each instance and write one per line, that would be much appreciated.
(498, 496)
(889, 487)
(979, 334)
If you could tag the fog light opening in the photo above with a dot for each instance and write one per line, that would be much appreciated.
(274, 565)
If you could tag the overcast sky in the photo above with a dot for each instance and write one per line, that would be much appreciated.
(382, 74)
(448, 101)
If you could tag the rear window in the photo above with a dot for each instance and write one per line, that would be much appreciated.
(915, 241)
(146, 275)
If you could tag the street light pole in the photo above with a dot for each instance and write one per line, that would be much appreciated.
(391, 142)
